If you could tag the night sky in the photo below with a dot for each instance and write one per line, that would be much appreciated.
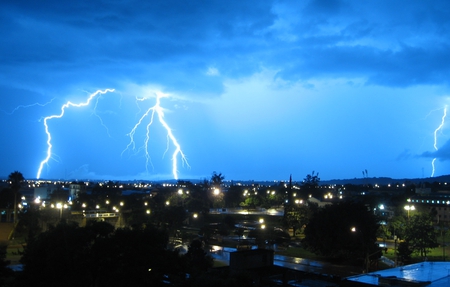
(252, 89)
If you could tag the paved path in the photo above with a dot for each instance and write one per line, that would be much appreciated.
(5, 231)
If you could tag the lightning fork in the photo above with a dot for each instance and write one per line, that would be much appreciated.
(28, 106)
(435, 139)
(150, 113)
(63, 109)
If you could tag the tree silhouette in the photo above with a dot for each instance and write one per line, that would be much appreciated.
(217, 179)
(6, 198)
(6, 274)
(310, 184)
(15, 179)
(98, 255)
(198, 260)
(345, 230)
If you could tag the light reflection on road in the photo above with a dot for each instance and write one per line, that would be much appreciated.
(306, 265)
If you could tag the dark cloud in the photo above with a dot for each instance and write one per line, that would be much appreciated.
(405, 155)
(386, 42)
(443, 153)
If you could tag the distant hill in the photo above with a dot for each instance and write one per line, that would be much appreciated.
(387, 180)
(356, 181)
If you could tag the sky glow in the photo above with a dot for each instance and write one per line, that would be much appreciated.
(251, 89)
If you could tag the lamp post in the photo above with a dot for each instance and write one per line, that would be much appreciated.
(365, 250)
(408, 208)
(60, 206)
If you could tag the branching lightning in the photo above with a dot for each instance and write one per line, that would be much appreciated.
(150, 114)
(63, 109)
(435, 139)
(28, 106)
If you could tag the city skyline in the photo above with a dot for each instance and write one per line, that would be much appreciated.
(255, 91)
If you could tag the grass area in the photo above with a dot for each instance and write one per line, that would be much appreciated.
(435, 254)
(299, 252)
(218, 263)
(13, 253)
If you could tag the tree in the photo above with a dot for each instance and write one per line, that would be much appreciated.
(397, 227)
(344, 230)
(15, 179)
(98, 255)
(173, 217)
(311, 180)
(58, 255)
(60, 195)
(296, 216)
(252, 201)
(217, 179)
(233, 196)
(310, 184)
(404, 252)
(6, 198)
(6, 274)
(421, 234)
(198, 260)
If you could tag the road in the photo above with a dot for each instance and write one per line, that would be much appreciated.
(222, 254)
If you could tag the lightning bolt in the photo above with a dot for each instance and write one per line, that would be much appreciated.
(435, 139)
(63, 110)
(150, 114)
(28, 106)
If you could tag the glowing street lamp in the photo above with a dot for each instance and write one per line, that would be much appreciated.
(365, 250)
(408, 208)
(60, 206)
(216, 191)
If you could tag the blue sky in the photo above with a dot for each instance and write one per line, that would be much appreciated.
(252, 89)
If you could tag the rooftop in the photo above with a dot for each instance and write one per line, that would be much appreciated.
(431, 274)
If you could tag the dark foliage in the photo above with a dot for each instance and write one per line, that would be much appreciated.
(6, 274)
(96, 255)
(198, 260)
(345, 230)
(6, 198)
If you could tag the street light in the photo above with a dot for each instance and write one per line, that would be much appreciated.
(60, 206)
(408, 208)
(365, 250)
